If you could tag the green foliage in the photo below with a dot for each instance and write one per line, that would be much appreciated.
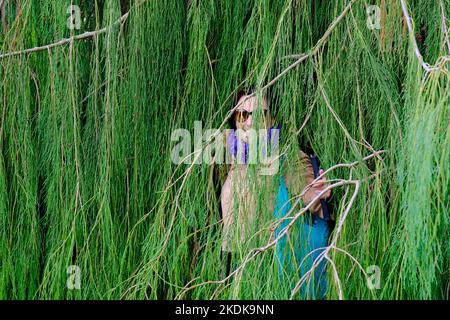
(86, 177)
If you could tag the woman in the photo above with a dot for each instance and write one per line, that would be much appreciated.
(240, 211)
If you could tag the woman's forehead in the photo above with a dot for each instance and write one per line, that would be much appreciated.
(250, 103)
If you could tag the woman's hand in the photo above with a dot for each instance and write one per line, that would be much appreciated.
(314, 191)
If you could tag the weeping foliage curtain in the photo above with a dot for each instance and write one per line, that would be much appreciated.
(86, 177)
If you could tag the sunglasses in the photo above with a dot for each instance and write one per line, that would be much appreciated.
(242, 115)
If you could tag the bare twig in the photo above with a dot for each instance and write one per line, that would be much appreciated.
(445, 29)
(324, 254)
(412, 36)
(86, 35)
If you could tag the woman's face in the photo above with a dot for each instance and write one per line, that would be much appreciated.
(245, 111)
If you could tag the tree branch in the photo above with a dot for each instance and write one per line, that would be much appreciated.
(412, 36)
(65, 41)
(445, 29)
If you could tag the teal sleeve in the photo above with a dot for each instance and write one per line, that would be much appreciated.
(298, 250)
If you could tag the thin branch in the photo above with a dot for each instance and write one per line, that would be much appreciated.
(445, 29)
(323, 254)
(419, 56)
(86, 35)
